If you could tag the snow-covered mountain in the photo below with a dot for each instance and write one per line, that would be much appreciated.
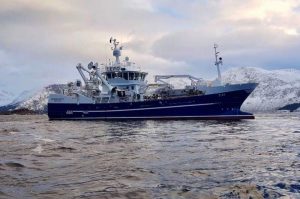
(33, 100)
(38, 101)
(5, 97)
(276, 88)
(25, 95)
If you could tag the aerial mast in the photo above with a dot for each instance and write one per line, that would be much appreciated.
(218, 62)
(116, 50)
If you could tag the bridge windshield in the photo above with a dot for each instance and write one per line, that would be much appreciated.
(126, 75)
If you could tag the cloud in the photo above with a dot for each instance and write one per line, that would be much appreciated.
(42, 41)
(253, 33)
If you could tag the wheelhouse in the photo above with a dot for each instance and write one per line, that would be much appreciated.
(126, 75)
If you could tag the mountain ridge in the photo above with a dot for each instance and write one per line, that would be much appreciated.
(6, 97)
(277, 88)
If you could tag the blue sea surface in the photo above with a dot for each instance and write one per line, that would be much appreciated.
(150, 159)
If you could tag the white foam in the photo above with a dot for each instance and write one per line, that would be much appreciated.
(46, 140)
(38, 149)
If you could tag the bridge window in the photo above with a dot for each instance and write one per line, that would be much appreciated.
(136, 76)
(125, 76)
(118, 74)
(131, 76)
(108, 75)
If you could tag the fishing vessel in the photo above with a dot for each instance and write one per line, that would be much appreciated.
(118, 90)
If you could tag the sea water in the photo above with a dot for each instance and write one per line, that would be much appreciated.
(151, 158)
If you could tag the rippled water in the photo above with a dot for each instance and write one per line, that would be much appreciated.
(150, 159)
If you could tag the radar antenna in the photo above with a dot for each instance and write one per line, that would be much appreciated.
(116, 50)
(218, 62)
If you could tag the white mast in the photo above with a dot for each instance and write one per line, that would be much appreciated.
(218, 63)
(116, 49)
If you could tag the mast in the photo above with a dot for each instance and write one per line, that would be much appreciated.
(116, 50)
(218, 62)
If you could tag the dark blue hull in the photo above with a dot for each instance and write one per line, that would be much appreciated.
(214, 106)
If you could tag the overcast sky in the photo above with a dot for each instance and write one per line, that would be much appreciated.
(41, 41)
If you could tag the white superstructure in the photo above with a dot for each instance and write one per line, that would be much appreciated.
(118, 81)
